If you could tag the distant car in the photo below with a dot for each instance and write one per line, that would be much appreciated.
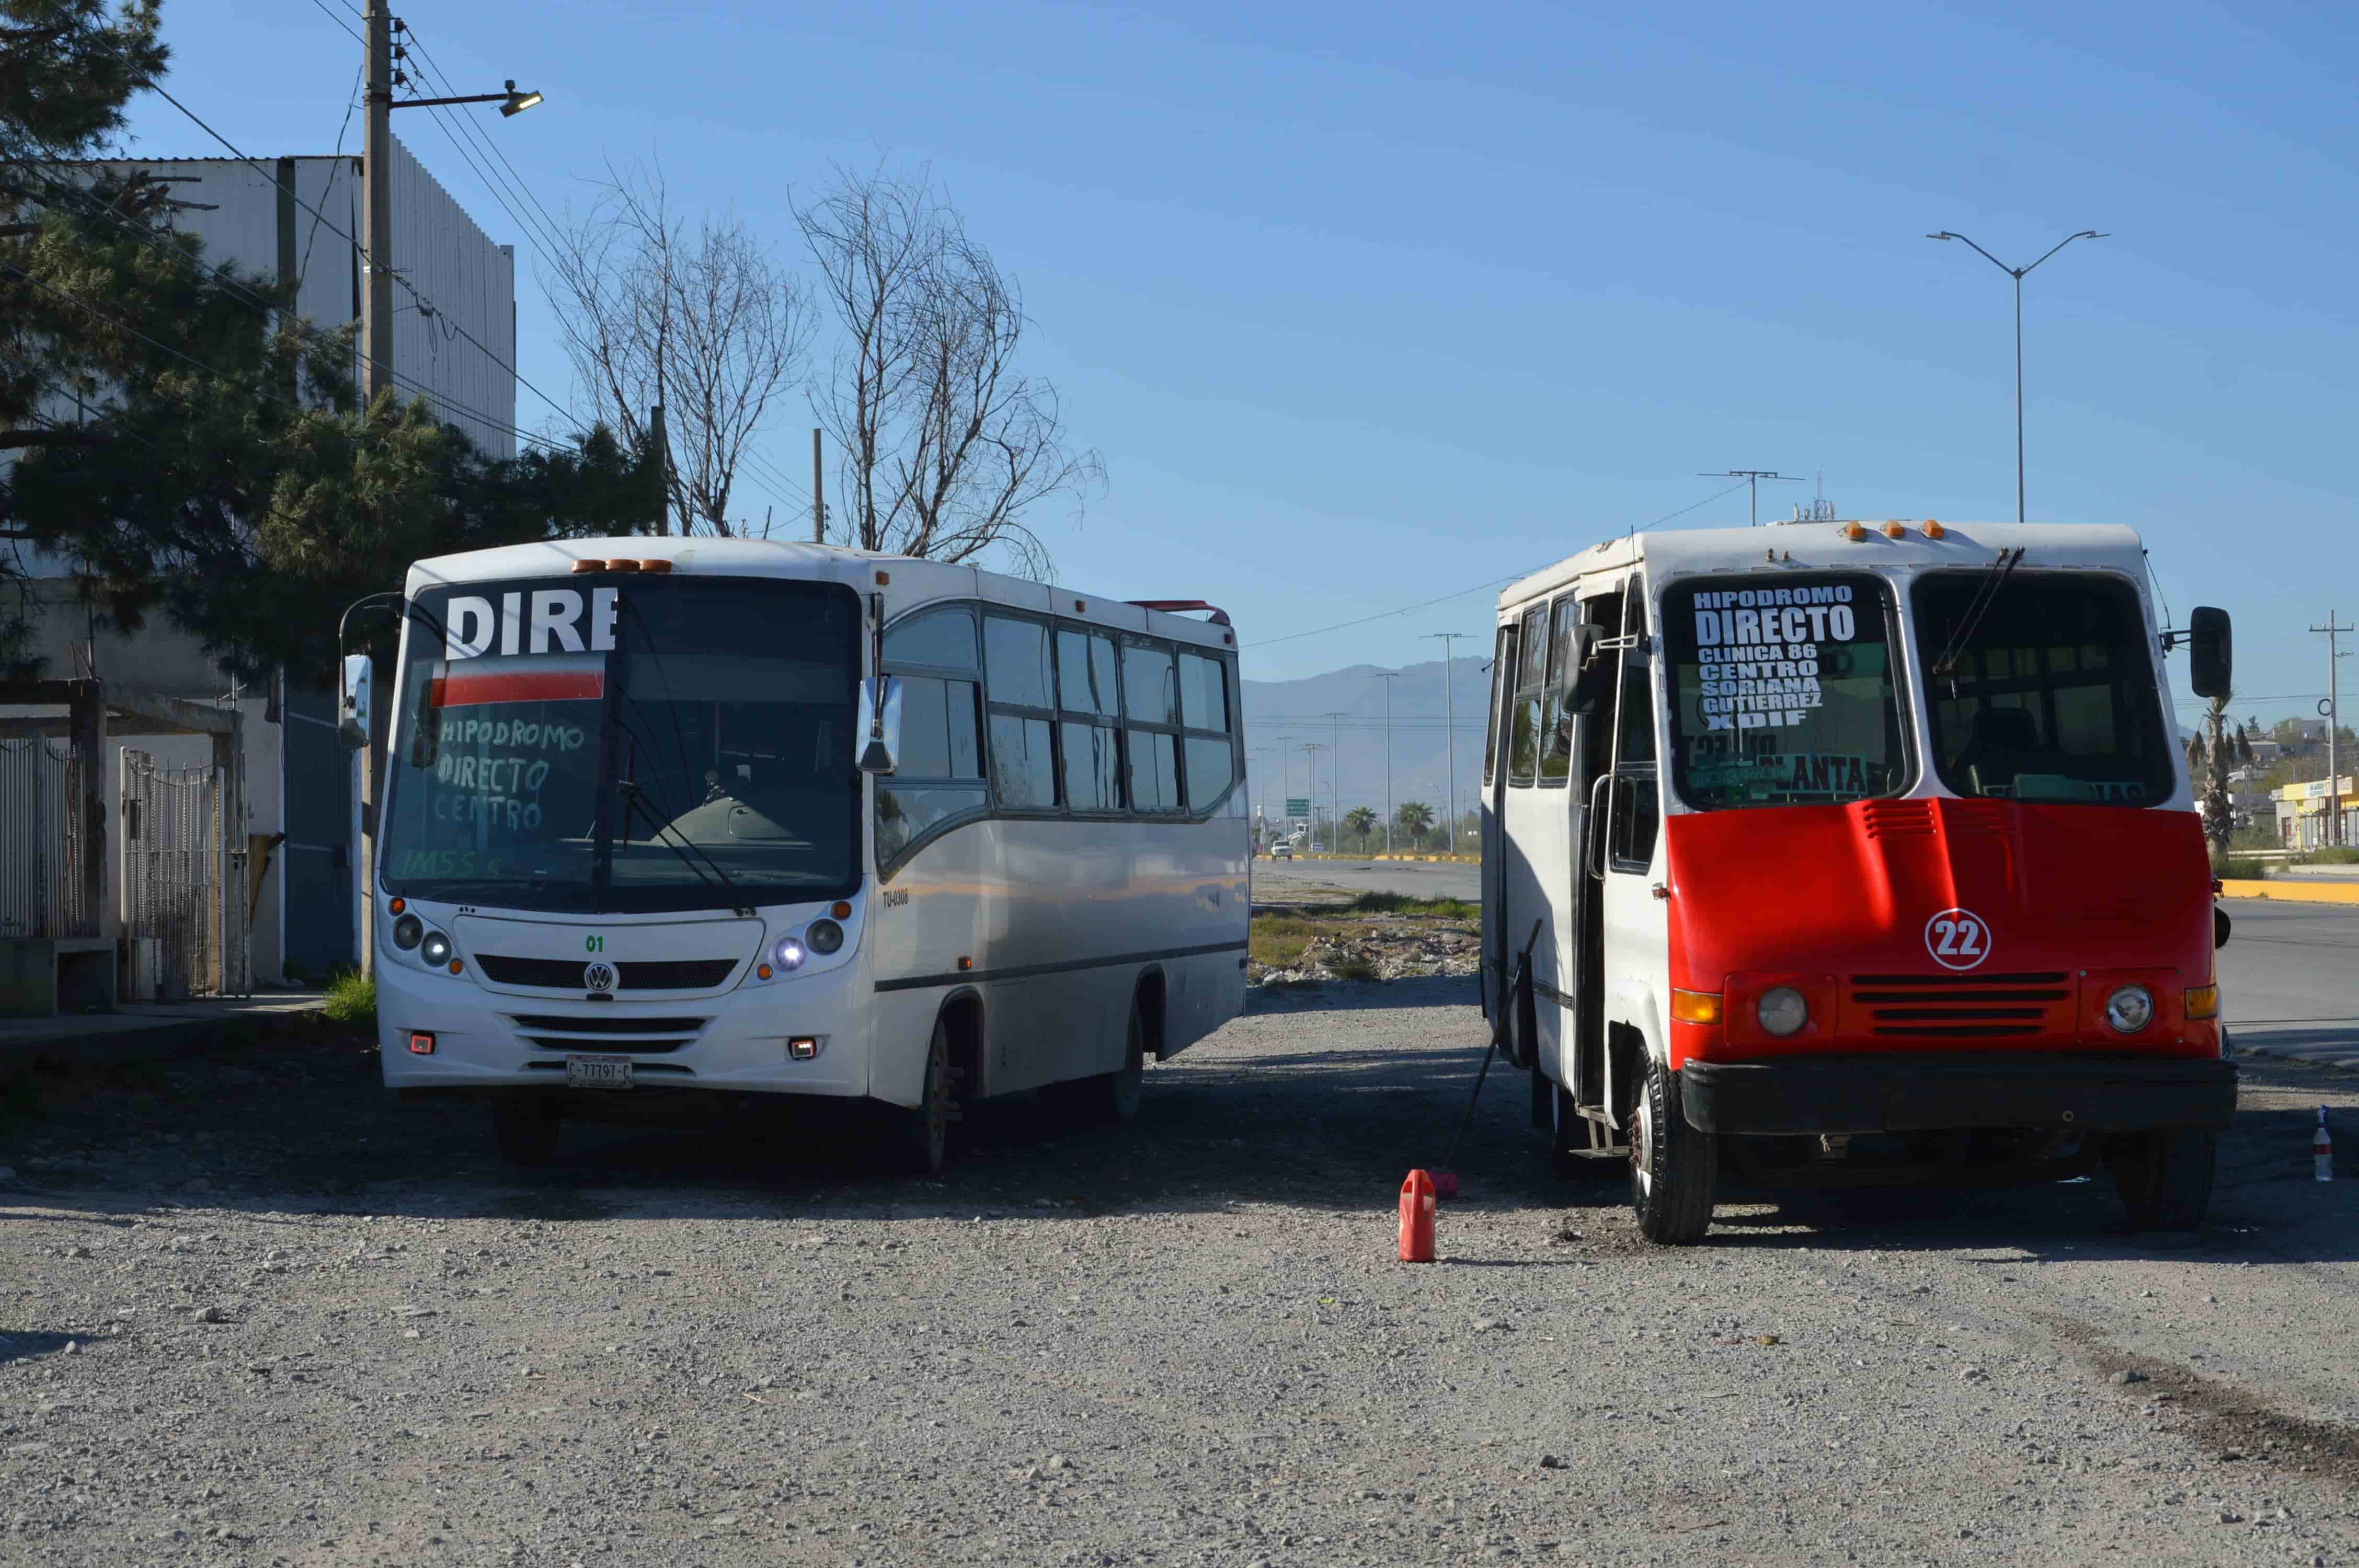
(1281, 852)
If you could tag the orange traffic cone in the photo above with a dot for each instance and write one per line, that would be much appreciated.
(1416, 1219)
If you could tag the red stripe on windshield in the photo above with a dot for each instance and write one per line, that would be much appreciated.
(472, 690)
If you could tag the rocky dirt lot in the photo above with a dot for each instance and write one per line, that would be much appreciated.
(252, 1311)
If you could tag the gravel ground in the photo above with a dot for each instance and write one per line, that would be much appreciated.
(254, 1312)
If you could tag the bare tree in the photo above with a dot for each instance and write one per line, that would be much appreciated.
(942, 444)
(705, 323)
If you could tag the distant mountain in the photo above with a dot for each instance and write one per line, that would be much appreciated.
(1420, 751)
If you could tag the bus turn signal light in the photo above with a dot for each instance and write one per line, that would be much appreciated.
(1697, 1006)
(802, 1047)
(421, 1044)
(2203, 1001)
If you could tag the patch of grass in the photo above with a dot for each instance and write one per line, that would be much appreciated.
(2238, 868)
(351, 1000)
(1402, 903)
(1352, 967)
(2334, 855)
(1277, 941)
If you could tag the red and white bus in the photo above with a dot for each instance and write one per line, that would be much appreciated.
(1854, 852)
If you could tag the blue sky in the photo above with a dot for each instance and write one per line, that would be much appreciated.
(1365, 307)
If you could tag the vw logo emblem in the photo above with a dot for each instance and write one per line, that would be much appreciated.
(599, 977)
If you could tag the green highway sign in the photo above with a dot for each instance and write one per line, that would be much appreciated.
(1298, 805)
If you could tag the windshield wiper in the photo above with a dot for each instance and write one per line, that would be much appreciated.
(680, 844)
(1985, 595)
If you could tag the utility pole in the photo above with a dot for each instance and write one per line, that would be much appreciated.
(1753, 478)
(1335, 779)
(1260, 777)
(1449, 723)
(660, 444)
(1388, 677)
(2333, 711)
(1286, 780)
(1311, 788)
(818, 505)
(376, 206)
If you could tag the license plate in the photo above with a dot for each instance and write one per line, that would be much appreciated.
(597, 1072)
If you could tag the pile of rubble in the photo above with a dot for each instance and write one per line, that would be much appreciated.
(1380, 951)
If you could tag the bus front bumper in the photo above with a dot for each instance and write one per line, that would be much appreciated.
(1869, 1094)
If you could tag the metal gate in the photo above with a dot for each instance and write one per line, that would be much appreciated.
(183, 909)
(41, 841)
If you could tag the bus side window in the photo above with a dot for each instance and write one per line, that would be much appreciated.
(1531, 667)
(1636, 814)
(1090, 722)
(1503, 658)
(941, 780)
(1555, 716)
(1150, 695)
(1209, 754)
(1017, 681)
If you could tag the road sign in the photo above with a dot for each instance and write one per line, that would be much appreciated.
(1298, 805)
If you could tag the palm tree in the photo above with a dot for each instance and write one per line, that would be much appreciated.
(1361, 823)
(1416, 819)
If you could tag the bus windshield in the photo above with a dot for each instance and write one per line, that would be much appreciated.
(1781, 690)
(2049, 692)
(661, 743)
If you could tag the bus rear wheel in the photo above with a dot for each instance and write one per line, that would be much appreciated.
(1673, 1167)
(2165, 1177)
(524, 1127)
(1111, 1099)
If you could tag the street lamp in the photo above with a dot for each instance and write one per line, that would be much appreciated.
(511, 102)
(2017, 273)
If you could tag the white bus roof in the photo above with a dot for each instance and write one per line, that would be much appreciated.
(912, 582)
(1820, 546)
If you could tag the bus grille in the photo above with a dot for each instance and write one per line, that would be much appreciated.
(624, 1033)
(631, 975)
(1964, 1007)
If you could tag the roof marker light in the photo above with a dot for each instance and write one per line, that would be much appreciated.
(589, 565)
(1894, 531)
(1934, 530)
(1853, 530)
(657, 568)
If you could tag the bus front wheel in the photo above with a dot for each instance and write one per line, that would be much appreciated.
(2165, 1177)
(1673, 1167)
(922, 1136)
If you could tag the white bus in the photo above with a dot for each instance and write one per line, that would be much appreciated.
(668, 820)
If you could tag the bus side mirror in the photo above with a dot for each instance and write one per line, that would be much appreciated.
(2210, 651)
(880, 725)
(352, 706)
(1593, 672)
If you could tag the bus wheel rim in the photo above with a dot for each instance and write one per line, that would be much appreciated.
(1642, 1144)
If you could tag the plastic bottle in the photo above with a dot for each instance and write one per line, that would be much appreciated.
(1416, 1219)
(2322, 1149)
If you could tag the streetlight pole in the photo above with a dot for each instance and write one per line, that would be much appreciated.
(1449, 722)
(1311, 788)
(1335, 779)
(1388, 677)
(2017, 273)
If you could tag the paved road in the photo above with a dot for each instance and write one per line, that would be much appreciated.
(1279, 881)
(2289, 979)
(257, 1313)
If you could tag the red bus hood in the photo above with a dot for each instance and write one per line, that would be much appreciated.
(2067, 903)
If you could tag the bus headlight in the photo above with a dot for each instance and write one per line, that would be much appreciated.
(788, 955)
(2130, 1009)
(823, 936)
(409, 932)
(1781, 1010)
(435, 949)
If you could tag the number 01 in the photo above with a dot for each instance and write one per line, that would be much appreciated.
(594, 944)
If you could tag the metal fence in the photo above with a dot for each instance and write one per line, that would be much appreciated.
(183, 880)
(42, 841)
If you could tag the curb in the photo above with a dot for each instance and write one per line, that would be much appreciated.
(2292, 892)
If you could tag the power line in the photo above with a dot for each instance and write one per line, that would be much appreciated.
(341, 23)
(1494, 582)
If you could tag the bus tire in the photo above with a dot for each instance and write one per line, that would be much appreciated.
(919, 1142)
(1111, 1099)
(525, 1127)
(1673, 1167)
(2164, 1177)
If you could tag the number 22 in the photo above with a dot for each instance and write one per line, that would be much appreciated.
(1959, 938)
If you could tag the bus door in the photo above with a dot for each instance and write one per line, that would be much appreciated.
(1585, 1078)
(1618, 848)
